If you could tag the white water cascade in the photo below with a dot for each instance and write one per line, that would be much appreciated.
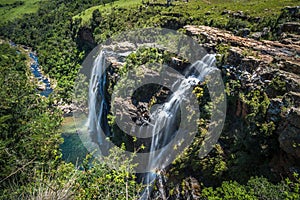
(97, 120)
(165, 117)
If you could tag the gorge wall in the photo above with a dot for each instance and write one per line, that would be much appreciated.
(256, 63)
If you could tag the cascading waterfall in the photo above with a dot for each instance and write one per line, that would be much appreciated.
(97, 118)
(166, 121)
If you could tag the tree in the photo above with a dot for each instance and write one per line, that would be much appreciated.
(28, 122)
(96, 19)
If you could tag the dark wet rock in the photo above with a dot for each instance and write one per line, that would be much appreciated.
(292, 81)
(254, 19)
(291, 27)
(235, 55)
(289, 133)
(190, 189)
(274, 110)
(293, 11)
(294, 119)
(225, 12)
(195, 186)
(240, 15)
(244, 32)
(266, 31)
(140, 114)
(292, 98)
(291, 66)
(178, 64)
(250, 63)
(241, 109)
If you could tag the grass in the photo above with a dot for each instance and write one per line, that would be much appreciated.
(12, 9)
(87, 14)
(200, 10)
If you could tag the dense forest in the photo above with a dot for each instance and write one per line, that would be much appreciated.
(257, 51)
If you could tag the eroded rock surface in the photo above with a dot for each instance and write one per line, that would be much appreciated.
(244, 49)
(256, 64)
(289, 133)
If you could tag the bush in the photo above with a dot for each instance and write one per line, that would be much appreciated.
(256, 188)
(112, 178)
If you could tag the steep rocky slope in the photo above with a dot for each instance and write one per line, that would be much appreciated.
(256, 64)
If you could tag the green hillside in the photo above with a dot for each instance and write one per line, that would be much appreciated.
(11, 9)
(199, 10)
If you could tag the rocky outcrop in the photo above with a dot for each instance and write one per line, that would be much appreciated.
(290, 39)
(241, 15)
(293, 98)
(256, 63)
(252, 56)
(259, 52)
(289, 133)
(69, 109)
(292, 27)
(293, 11)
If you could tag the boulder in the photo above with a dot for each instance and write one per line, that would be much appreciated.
(292, 98)
(41, 86)
(240, 15)
(244, 32)
(68, 109)
(256, 35)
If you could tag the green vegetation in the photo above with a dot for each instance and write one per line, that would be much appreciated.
(107, 20)
(86, 15)
(256, 188)
(30, 161)
(12, 9)
(62, 33)
(112, 178)
(213, 12)
(29, 140)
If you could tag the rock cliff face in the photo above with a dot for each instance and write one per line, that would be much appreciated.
(254, 62)
(247, 51)
(289, 137)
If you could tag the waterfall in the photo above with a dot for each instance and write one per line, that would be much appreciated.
(165, 117)
(166, 120)
(97, 120)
